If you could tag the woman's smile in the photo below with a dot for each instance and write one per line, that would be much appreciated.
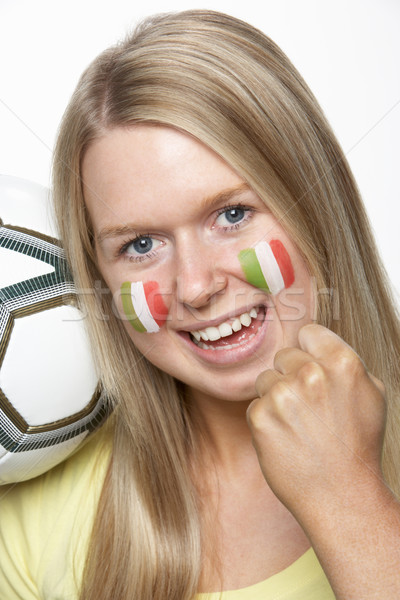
(231, 341)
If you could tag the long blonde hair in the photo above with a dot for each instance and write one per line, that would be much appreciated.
(231, 87)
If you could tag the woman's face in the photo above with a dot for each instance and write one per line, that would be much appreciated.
(168, 212)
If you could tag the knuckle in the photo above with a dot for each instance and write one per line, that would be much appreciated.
(279, 391)
(261, 410)
(256, 415)
(347, 361)
(264, 381)
(280, 355)
(311, 374)
(282, 397)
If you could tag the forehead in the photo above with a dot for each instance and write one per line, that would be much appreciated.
(145, 168)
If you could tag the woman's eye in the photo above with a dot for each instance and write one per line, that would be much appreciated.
(141, 247)
(232, 216)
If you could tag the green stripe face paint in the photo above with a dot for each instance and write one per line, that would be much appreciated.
(143, 305)
(252, 269)
(267, 266)
(129, 310)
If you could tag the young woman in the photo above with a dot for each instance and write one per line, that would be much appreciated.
(244, 331)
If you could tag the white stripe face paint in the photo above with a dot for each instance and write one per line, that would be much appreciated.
(142, 309)
(269, 267)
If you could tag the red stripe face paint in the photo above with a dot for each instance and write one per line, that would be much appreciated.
(143, 305)
(283, 259)
(267, 266)
(155, 302)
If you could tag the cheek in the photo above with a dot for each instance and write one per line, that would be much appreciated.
(268, 266)
(143, 306)
(295, 304)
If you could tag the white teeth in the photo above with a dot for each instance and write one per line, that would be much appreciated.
(224, 330)
(228, 347)
(212, 333)
(245, 319)
(236, 325)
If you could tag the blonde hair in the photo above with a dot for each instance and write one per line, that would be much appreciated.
(231, 87)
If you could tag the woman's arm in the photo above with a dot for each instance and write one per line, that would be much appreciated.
(318, 430)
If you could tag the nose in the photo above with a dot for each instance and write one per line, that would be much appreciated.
(199, 278)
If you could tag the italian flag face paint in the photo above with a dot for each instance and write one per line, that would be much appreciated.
(267, 266)
(143, 305)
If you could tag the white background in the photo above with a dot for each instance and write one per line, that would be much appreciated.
(348, 52)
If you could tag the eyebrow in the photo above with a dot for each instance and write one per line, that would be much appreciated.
(228, 195)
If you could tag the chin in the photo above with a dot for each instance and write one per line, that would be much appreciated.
(227, 389)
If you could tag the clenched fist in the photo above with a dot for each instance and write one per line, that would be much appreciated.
(318, 424)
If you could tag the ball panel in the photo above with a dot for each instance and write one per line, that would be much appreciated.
(6, 325)
(31, 463)
(52, 337)
(26, 204)
(32, 294)
(15, 438)
(18, 265)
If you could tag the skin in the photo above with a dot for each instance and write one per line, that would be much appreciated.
(315, 417)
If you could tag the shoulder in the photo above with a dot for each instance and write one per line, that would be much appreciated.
(49, 495)
(45, 523)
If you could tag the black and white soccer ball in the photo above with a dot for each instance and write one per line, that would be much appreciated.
(50, 399)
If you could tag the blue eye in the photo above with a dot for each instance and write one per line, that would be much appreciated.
(143, 245)
(233, 216)
(140, 248)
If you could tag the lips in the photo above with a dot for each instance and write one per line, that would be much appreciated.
(231, 349)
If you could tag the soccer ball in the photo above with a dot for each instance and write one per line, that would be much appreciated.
(50, 399)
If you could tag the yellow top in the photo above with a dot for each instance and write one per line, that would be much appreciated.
(45, 525)
(302, 580)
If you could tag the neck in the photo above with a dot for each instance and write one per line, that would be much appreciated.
(224, 433)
